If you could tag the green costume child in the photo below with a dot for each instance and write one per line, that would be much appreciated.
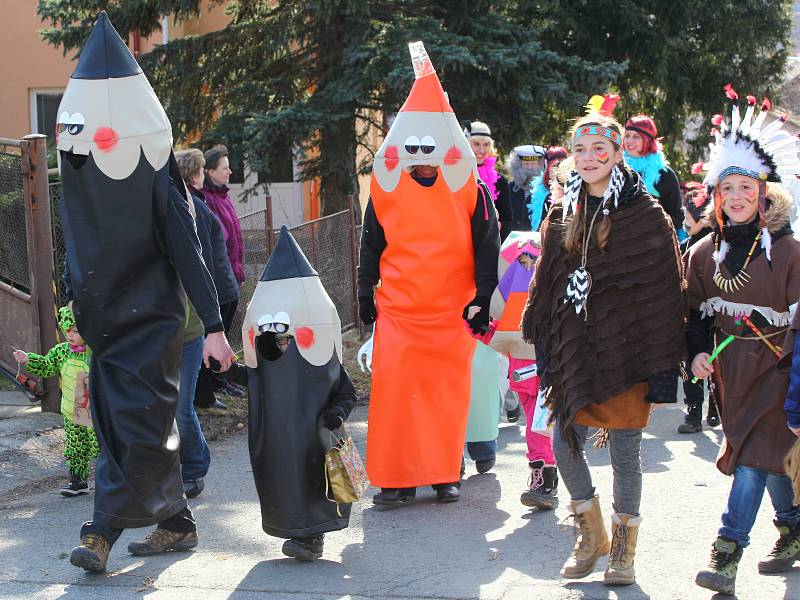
(69, 360)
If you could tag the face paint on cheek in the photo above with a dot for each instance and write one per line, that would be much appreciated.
(602, 157)
(304, 337)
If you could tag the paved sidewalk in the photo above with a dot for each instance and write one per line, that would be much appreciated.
(486, 546)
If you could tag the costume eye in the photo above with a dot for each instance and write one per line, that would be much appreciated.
(71, 123)
(265, 323)
(281, 322)
(427, 145)
(412, 144)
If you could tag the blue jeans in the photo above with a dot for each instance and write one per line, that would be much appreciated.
(195, 455)
(482, 450)
(745, 500)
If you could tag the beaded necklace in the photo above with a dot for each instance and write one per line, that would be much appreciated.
(734, 284)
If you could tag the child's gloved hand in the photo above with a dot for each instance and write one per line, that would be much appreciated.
(21, 357)
(331, 420)
(476, 314)
(367, 310)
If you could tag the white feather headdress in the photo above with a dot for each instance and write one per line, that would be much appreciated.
(748, 146)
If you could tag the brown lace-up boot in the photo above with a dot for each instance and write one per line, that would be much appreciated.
(624, 534)
(591, 539)
(163, 540)
(92, 554)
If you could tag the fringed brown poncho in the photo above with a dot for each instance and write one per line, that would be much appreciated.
(635, 319)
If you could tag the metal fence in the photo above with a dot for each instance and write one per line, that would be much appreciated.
(331, 246)
(13, 241)
(330, 243)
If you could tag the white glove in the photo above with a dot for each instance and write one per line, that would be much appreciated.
(365, 355)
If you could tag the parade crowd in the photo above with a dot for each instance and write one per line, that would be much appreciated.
(574, 297)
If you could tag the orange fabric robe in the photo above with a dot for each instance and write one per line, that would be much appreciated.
(422, 349)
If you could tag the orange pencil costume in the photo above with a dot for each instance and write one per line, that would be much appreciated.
(433, 244)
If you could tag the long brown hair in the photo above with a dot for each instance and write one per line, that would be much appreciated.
(576, 223)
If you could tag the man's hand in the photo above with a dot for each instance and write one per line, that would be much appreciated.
(795, 430)
(367, 310)
(217, 346)
(21, 357)
(476, 314)
(700, 367)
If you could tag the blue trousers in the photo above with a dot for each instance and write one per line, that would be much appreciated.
(745, 499)
(482, 450)
(195, 455)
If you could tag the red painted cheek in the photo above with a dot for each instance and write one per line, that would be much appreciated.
(392, 158)
(453, 155)
(304, 337)
(105, 138)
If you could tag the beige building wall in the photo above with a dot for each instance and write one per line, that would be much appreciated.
(28, 64)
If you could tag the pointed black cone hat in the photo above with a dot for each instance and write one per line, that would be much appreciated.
(287, 260)
(105, 55)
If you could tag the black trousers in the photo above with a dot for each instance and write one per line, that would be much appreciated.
(182, 522)
(207, 381)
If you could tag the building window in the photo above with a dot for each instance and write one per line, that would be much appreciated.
(44, 112)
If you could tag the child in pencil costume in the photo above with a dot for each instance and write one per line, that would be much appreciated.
(69, 361)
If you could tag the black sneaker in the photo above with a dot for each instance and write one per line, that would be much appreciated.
(304, 549)
(542, 486)
(192, 489)
(75, 487)
(513, 415)
(484, 466)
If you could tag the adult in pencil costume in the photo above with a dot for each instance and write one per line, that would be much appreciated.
(431, 238)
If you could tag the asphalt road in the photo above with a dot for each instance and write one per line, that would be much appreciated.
(485, 546)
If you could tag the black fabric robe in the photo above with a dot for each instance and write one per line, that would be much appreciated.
(287, 396)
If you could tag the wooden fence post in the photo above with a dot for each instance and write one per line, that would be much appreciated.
(269, 229)
(354, 263)
(40, 254)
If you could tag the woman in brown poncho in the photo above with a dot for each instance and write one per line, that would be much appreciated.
(743, 282)
(606, 314)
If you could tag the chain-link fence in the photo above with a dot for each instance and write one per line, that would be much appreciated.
(59, 253)
(326, 242)
(13, 241)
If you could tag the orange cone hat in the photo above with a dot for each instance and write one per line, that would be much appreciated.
(425, 132)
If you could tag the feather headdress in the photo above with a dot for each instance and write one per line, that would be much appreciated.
(748, 145)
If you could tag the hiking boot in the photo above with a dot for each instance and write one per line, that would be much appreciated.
(542, 486)
(304, 549)
(76, 486)
(692, 421)
(163, 540)
(785, 552)
(721, 573)
(513, 415)
(591, 539)
(624, 534)
(394, 496)
(485, 465)
(193, 488)
(712, 418)
(92, 553)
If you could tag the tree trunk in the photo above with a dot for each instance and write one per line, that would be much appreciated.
(338, 169)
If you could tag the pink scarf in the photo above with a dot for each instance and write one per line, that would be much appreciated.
(488, 175)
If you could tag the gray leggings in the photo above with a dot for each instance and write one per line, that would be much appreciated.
(624, 446)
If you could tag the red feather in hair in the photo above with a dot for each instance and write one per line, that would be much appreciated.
(609, 104)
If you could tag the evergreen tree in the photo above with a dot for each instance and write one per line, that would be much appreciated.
(678, 55)
(318, 75)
